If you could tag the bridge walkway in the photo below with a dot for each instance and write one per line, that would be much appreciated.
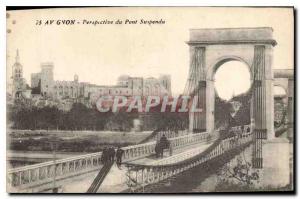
(38, 177)
(177, 154)
(111, 185)
(74, 174)
(115, 180)
(141, 175)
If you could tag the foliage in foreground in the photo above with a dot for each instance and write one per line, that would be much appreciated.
(242, 178)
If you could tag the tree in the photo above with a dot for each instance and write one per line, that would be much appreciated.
(240, 175)
(222, 113)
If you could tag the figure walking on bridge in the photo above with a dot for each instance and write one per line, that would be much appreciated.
(105, 156)
(119, 155)
(161, 145)
(170, 149)
(158, 150)
(164, 141)
(111, 154)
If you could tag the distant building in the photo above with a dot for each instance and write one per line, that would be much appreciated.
(165, 80)
(46, 85)
(145, 86)
(132, 86)
(126, 86)
(35, 80)
(19, 86)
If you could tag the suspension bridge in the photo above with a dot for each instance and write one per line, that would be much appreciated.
(209, 48)
(139, 163)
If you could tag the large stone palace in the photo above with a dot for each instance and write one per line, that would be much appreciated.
(44, 84)
(126, 85)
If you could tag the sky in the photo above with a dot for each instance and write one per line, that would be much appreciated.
(100, 54)
(232, 86)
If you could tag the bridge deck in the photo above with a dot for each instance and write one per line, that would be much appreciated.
(179, 154)
(79, 184)
(68, 173)
(116, 179)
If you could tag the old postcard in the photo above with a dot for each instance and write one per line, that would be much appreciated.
(150, 100)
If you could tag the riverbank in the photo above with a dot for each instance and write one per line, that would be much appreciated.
(70, 141)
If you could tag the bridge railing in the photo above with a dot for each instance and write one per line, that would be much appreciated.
(142, 150)
(157, 134)
(241, 129)
(139, 175)
(42, 173)
(38, 174)
(171, 134)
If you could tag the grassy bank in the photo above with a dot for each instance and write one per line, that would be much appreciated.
(71, 141)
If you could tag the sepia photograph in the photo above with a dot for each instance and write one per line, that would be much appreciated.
(150, 100)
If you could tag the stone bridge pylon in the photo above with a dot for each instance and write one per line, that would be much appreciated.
(209, 49)
(284, 78)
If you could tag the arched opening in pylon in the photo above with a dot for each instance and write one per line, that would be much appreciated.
(279, 91)
(232, 79)
(280, 106)
(232, 82)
